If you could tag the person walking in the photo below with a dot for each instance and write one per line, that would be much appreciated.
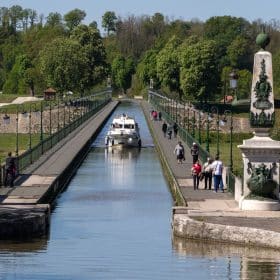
(175, 129)
(217, 167)
(164, 128)
(179, 151)
(10, 170)
(159, 115)
(169, 131)
(196, 170)
(207, 171)
(194, 152)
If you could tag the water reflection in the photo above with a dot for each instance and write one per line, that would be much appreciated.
(254, 263)
(34, 245)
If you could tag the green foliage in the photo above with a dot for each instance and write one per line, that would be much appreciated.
(146, 69)
(199, 77)
(276, 73)
(239, 53)
(109, 20)
(74, 18)
(63, 65)
(122, 70)
(244, 84)
(92, 47)
(168, 66)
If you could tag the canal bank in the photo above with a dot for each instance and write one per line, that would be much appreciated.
(25, 209)
(206, 215)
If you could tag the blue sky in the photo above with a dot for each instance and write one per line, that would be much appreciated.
(183, 9)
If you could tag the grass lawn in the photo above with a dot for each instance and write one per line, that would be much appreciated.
(7, 98)
(8, 143)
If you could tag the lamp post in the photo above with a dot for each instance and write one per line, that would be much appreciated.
(24, 113)
(30, 124)
(206, 109)
(215, 110)
(199, 127)
(233, 78)
(230, 139)
(188, 119)
(193, 124)
(50, 121)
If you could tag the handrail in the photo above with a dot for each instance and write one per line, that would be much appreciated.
(30, 156)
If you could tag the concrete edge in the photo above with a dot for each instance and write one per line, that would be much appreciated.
(186, 227)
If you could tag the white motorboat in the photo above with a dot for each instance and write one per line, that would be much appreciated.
(124, 131)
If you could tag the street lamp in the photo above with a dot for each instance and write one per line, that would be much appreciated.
(228, 112)
(151, 83)
(193, 124)
(215, 110)
(30, 124)
(199, 127)
(233, 77)
(24, 113)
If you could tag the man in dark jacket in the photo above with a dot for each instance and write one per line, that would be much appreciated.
(10, 168)
(194, 152)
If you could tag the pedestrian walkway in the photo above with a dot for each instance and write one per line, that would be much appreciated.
(219, 208)
(35, 181)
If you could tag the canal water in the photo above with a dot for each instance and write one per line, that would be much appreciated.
(113, 222)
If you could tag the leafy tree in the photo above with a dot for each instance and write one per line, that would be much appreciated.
(109, 20)
(92, 46)
(54, 19)
(146, 69)
(122, 70)
(15, 14)
(168, 66)
(199, 77)
(63, 65)
(276, 73)
(74, 18)
(244, 84)
(239, 53)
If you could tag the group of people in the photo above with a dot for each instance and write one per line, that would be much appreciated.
(210, 169)
(155, 115)
(169, 129)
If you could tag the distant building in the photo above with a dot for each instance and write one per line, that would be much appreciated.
(49, 94)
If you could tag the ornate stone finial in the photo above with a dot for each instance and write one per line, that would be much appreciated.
(262, 40)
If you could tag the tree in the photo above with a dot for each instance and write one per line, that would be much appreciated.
(122, 70)
(276, 73)
(244, 84)
(54, 19)
(109, 20)
(92, 46)
(64, 65)
(199, 76)
(168, 67)
(240, 53)
(74, 18)
(146, 69)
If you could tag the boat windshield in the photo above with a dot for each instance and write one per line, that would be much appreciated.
(131, 126)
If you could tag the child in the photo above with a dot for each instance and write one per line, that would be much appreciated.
(196, 170)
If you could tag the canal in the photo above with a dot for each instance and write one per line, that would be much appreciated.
(113, 222)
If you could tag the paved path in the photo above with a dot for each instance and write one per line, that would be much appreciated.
(219, 208)
(36, 179)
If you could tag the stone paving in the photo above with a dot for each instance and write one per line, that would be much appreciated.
(206, 205)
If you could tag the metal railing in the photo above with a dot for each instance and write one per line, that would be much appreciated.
(169, 110)
(87, 107)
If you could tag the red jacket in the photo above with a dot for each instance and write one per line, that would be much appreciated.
(196, 169)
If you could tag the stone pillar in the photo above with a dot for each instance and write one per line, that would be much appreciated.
(261, 154)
